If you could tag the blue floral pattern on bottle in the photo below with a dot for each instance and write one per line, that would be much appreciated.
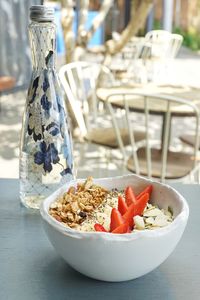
(46, 156)
(46, 104)
(42, 118)
(47, 120)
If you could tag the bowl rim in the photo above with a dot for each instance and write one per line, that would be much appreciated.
(179, 219)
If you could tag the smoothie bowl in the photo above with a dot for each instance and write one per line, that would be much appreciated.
(114, 229)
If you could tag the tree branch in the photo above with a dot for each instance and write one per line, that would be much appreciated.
(83, 14)
(67, 22)
(97, 21)
(112, 46)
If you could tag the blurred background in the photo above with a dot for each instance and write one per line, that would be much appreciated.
(110, 33)
(178, 16)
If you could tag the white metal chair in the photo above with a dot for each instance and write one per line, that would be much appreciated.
(127, 65)
(164, 43)
(155, 35)
(154, 54)
(175, 45)
(159, 41)
(160, 48)
(79, 80)
(154, 162)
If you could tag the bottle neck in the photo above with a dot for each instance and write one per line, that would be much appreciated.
(43, 45)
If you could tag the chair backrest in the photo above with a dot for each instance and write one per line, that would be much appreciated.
(132, 50)
(164, 42)
(157, 35)
(79, 80)
(149, 104)
(176, 42)
(159, 42)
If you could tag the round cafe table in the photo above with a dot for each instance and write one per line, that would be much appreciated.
(156, 108)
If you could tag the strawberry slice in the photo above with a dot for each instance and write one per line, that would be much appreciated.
(99, 227)
(123, 228)
(130, 196)
(122, 206)
(136, 209)
(116, 219)
(141, 204)
(128, 216)
(147, 190)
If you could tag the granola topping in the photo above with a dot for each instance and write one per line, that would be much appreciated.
(89, 204)
(75, 205)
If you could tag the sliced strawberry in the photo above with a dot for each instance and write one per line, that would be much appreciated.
(99, 227)
(122, 206)
(123, 228)
(130, 196)
(141, 204)
(116, 219)
(136, 209)
(147, 190)
(128, 216)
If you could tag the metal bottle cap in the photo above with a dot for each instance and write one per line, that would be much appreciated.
(41, 13)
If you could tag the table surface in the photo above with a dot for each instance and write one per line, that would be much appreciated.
(31, 269)
(156, 107)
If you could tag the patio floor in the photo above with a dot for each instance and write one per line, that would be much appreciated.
(186, 72)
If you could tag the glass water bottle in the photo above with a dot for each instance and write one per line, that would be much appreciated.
(46, 159)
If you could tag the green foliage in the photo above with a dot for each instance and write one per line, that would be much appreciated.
(191, 39)
(157, 25)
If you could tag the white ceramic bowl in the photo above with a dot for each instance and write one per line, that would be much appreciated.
(118, 257)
